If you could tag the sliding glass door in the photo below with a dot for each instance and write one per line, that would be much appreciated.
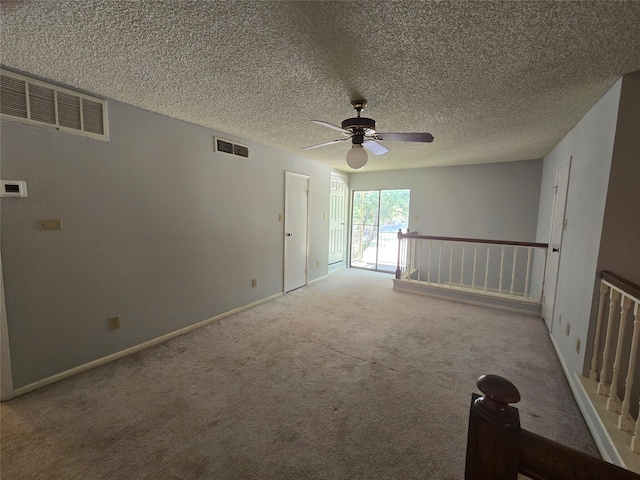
(376, 218)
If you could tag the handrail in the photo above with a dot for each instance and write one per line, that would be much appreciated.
(618, 311)
(622, 283)
(472, 240)
(499, 448)
(544, 458)
(485, 267)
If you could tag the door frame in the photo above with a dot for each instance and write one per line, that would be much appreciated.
(6, 378)
(287, 174)
(346, 253)
(549, 311)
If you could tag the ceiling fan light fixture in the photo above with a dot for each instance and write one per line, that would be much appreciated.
(357, 157)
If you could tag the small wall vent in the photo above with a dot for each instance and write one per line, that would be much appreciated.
(32, 102)
(225, 146)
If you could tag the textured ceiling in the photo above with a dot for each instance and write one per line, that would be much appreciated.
(492, 81)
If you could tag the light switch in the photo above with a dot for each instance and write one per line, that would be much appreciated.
(51, 224)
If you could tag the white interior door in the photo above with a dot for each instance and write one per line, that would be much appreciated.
(558, 226)
(337, 220)
(295, 230)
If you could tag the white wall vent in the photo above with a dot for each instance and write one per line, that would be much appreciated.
(32, 102)
(226, 146)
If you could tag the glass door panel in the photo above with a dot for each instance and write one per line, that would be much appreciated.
(394, 215)
(364, 228)
(377, 215)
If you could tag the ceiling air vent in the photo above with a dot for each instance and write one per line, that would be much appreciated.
(32, 102)
(225, 146)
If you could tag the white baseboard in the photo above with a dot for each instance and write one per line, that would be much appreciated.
(469, 298)
(334, 267)
(123, 353)
(598, 431)
(317, 279)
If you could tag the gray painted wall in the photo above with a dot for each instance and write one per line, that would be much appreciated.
(590, 144)
(620, 241)
(496, 201)
(158, 228)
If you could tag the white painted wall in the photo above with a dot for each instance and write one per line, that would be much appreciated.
(590, 144)
(158, 228)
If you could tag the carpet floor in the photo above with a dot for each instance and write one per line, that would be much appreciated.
(342, 379)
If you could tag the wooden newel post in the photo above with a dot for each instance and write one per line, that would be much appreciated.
(493, 443)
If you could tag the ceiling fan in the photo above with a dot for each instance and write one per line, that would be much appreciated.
(362, 133)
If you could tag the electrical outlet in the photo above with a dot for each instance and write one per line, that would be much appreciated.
(254, 282)
(578, 346)
(568, 329)
(114, 322)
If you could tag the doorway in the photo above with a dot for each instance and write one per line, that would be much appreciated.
(296, 227)
(377, 215)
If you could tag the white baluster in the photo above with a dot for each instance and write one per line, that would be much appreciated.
(603, 386)
(419, 261)
(635, 441)
(414, 255)
(625, 422)
(486, 271)
(513, 270)
(526, 278)
(451, 261)
(439, 262)
(593, 374)
(473, 274)
(462, 268)
(402, 258)
(613, 404)
(409, 257)
(501, 265)
(429, 263)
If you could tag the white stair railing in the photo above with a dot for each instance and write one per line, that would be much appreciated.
(496, 268)
(623, 301)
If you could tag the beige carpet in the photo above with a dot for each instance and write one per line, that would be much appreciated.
(342, 379)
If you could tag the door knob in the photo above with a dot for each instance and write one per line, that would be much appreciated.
(289, 234)
(555, 249)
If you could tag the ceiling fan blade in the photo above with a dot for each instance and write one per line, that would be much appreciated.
(324, 144)
(332, 126)
(405, 137)
(374, 147)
